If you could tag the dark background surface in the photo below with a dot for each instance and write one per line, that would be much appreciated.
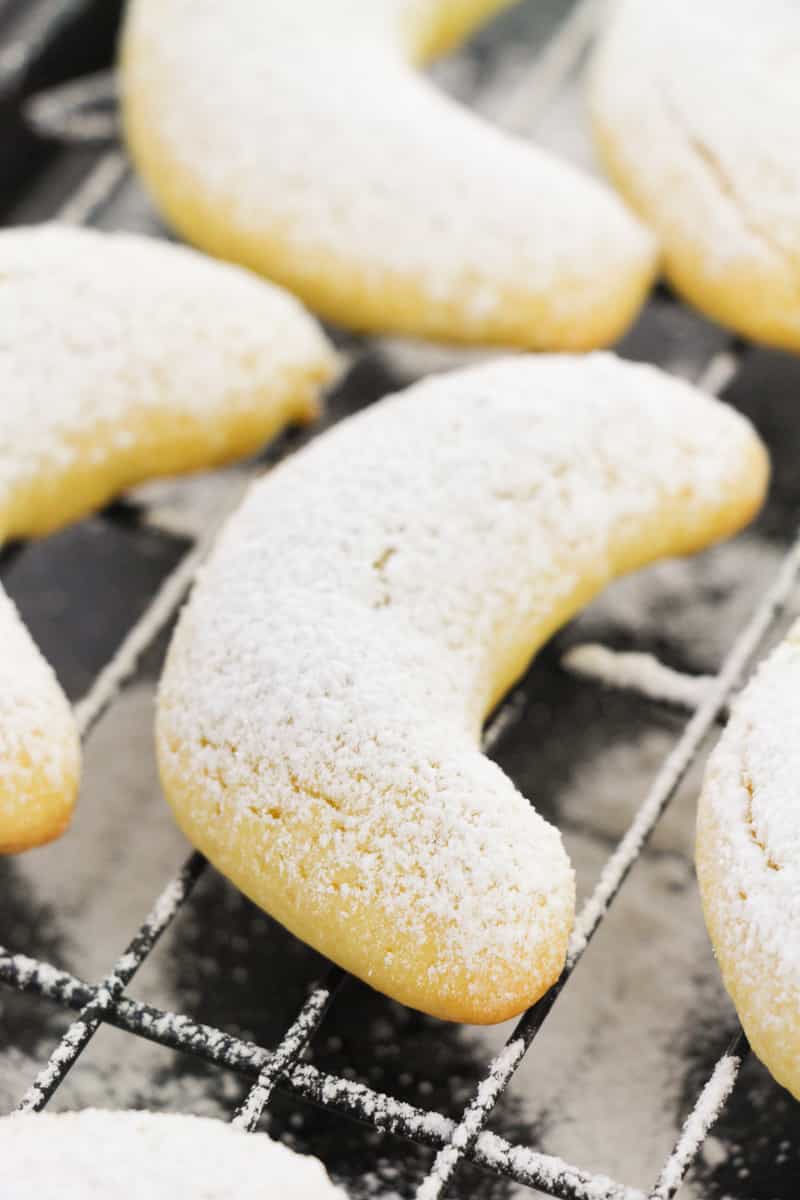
(640, 1025)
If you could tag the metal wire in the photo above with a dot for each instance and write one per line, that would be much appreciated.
(294, 1042)
(81, 111)
(715, 1092)
(466, 1139)
(80, 1032)
(36, 35)
(355, 1100)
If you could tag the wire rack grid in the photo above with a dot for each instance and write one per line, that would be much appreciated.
(283, 1065)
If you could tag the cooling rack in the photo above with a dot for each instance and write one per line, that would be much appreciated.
(81, 110)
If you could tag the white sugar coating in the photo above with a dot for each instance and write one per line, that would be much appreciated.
(697, 108)
(123, 357)
(320, 712)
(93, 1155)
(327, 162)
(748, 858)
(39, 752)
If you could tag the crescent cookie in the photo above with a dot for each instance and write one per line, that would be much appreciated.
(696, 112)
(298, 138)
(124, 358)
(93, 1155)
(748, 859)
(320, 711)
(121, 358)
(39, 747)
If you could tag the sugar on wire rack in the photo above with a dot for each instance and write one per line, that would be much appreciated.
(283, 1066)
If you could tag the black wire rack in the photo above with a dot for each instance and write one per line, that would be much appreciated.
(284, 1065)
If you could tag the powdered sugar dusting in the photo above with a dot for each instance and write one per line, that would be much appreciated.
(638, 672)
(360, 170)
(161, 1156)
(330, 674)
(705, 1112)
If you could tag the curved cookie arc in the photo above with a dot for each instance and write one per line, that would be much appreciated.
(748, 859)
(126, 358)
(320, 712)
(696, 114)
(326, 162)
(39, 747)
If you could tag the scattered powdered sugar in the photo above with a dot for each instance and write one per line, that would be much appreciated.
(705, 1112)
(369, 181)
(92, 1155)
(638, 672)
(362, 609)
(292, 1045)
(130, 357)
(38, 742)
(692, 141)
